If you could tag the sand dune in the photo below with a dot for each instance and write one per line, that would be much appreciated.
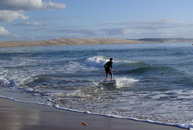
(63, 42)
(82, 41)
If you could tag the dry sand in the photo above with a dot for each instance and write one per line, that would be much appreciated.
(63, 42)
(26, 116)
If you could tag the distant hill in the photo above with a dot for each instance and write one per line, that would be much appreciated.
(166, 40)
(81, 41)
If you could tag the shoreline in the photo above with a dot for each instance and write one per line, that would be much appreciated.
(22, 116)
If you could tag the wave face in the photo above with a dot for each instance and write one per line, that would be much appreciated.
(153, 81)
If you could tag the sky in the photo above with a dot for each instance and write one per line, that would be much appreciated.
(32, 20)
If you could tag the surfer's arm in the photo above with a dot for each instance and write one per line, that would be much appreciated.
(105, 65)
(111, 68)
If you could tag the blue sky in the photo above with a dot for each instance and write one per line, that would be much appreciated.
(124, 19)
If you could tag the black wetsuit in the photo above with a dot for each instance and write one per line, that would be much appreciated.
(108, 66)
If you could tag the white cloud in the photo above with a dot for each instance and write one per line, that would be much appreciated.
(4, 34)
(27, 5)
(14, 9)
(8, 16)
(118, 31)
(95, 32)
(50, 5)
(32, 24)
(3, 31)
(166, 33)
(88, 32)
(157, 28)
(157, 25)
(151, 25)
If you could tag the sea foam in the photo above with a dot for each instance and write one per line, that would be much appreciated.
(125, 82)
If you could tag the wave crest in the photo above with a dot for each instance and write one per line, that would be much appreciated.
(125, 82)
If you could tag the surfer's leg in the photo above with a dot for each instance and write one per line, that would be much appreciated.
(111, 75)
(107, 73)
(106, 76)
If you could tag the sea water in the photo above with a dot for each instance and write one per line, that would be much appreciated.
(154, 82)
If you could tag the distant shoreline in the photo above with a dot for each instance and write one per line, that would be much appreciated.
(81, 41)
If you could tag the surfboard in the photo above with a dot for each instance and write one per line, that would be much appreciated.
(109, 81)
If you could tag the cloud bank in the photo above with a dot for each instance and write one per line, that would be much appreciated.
(14, 9)
(27, 5)
(8, 16)
(135, 29)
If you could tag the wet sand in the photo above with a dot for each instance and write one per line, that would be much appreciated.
(26, 116)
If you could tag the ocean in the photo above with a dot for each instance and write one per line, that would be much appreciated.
(154, 82)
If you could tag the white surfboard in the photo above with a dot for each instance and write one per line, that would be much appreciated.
(109, 81)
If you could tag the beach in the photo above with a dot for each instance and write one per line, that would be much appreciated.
(26, 116)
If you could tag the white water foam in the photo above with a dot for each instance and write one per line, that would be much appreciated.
(14, 77)
(125, 82)
(102, 59)
(96, 61)
(125, 61)
(189, 126)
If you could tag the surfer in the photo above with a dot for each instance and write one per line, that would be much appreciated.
(109, 68)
